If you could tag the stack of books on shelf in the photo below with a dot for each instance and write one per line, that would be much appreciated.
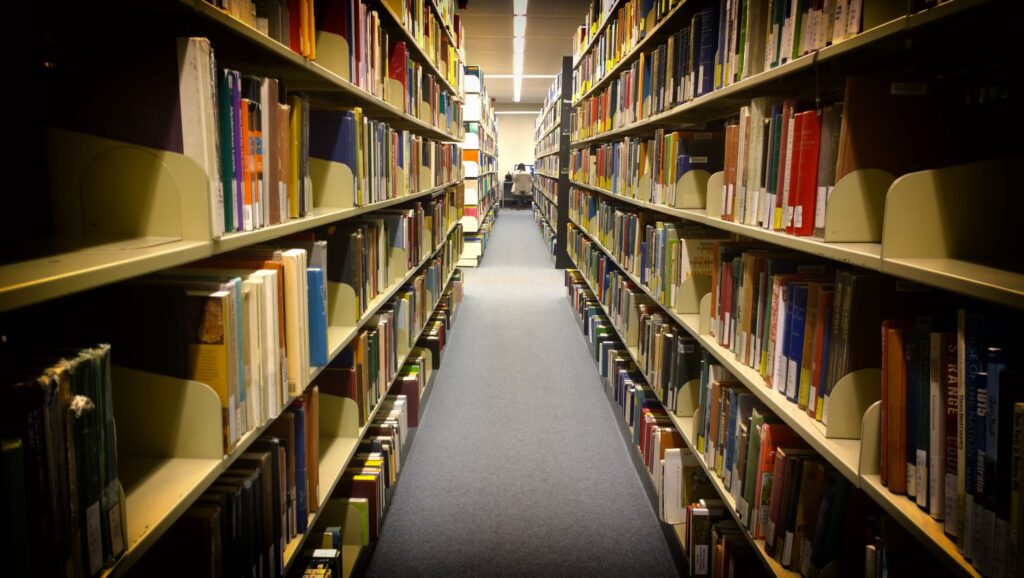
(481, 168)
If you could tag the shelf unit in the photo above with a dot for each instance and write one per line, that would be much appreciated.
(481, 190)
(855, 459)
(685, 425)
(551, 147)
(157, 491)
(337, 452)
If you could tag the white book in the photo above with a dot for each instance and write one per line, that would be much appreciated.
(197, 80)
(296, 319)
(672, 496)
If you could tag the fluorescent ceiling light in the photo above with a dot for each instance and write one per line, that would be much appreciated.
(517, 90)
(517, 64)
(518, 44)
(519, 25)
(520, 6)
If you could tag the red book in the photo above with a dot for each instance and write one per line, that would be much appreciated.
(732, 139)
(248, 166)
(295, 25)
(792, 171)
(397, 65)
(805, 192)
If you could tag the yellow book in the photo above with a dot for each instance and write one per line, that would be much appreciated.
(295, 130)
(210, 335)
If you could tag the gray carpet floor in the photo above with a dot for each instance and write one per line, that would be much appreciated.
(519, 467)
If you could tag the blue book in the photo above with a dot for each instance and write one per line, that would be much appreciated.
(994, 365)
(918, 400)
(795, 346)
(298, 409)
(973, 334)
(708, 38)
(316, 295)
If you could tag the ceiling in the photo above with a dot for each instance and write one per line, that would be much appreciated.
(488, 42)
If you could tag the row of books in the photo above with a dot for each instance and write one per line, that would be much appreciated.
(719, 45)
(353, 514)
(371, 61)
(355, 511)
(547, 165)
(684, 493)
(630, 24)
(241, 524)
(951, 399)
(543, 218)
(675, 72)
(597, 13)
(428, 31)
(548, 186)
(292, 23)
(362, 252)
(64, 514)
(384, 163)
(547, 144)
(250, 136)
(648, 169)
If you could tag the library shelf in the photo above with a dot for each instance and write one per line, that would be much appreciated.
(261, 53)
(856, 459)
(547, 153)
(551, 129)
(843, 454)
(28, 282)
(394, 23)
(649, 38)
(866, 255)
(159, 490)
(960, 276)
(336, 451)
(553, 177)
(600, 29)
(685, 427)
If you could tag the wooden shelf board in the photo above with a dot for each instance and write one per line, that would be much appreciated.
(28, 282)
(157, 492)
(981, 281)
(843, 454)
(919, 524)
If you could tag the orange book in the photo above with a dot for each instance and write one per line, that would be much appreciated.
(894, 406)
(247, 168)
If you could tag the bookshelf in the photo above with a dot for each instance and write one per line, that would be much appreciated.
(855, 459)
(158, 204)
(551, 150)
(915, 225)
(685, 427)
(480, 160)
